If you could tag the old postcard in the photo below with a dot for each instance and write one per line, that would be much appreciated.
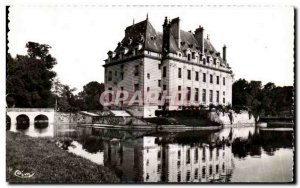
(150, 94)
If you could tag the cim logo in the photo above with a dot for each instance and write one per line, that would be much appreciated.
(22, 174)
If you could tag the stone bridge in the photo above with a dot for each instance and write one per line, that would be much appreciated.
(31, 116)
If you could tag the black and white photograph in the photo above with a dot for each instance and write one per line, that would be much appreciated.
(143, 94)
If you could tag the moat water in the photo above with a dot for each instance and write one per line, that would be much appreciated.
(229, 155)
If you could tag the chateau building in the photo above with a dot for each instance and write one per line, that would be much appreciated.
(183, 67)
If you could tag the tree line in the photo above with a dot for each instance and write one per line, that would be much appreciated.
(262, 100)
(31, 82)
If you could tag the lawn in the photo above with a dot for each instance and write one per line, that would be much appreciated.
(48, 163)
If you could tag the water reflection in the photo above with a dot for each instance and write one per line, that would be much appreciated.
(205, 156)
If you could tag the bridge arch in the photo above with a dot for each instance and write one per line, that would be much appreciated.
(23, 122)
(8, 122)
(41, 121)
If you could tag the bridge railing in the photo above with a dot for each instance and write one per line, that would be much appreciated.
(29, 109)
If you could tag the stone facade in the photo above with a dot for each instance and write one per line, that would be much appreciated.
(182, 67)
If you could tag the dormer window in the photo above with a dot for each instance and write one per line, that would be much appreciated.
(215, 61)
(189, 57)
(182, 43)
(208, 59)
(193, 55)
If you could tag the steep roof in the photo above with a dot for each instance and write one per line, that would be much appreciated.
(144, 33)
(141, 33)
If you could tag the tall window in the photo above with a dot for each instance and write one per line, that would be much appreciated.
(189, 74)
(204, 77)
(197, 76)
(136, 88)
(179, 72)
(189, 57)
(164, 71)
(188, 93)
(164, 87)
(204, 61)
(217, 79)
(136, 70)
(204, 95)
(196, 94)
(211, 79)
(159, 83)
(193, 55)
(224, 81)
(109, 75)
(122, 75)
(148, 75)
(122, 94)
(210, 95)
(179, 93)
(110, 95)
(224, 100)
(218, 95)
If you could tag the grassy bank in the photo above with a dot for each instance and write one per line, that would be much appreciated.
(49, 163)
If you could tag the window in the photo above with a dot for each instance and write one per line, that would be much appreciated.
(196, 155)
(224, 81)
(217, 79)
(164, 87)
(159, 66)
(148, 75)
(218, 93)
(193, 55)
(224, 100)
(211, 79)
(215, 61)
(164, 71)
(204, 61)
(189, 74)
(159, 83)
(203, 154)
(179, 72)
(179, 88)
(122, 94)
(204, 77)
(196, 174)
(179, 154)
(208, 60)
(200, 57)
(110, 95)
(217, 168)
(122, 75)
(109, 75)
(204, 95)
(224, 93)
(189, 57)
(136, 88)
(196, 94)
(188, 175)
(136, 70)
(197, 76)
(210, 170)
(178, 177)
(203, 172)
(148, 88)
(188, 93)
(188, 156)
(210, 95)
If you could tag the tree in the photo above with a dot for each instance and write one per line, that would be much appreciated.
(89, 98)
(29, 77)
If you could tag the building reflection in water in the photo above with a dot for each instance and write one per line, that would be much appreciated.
(144, 160)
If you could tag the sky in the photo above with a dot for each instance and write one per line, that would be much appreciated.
(259, 40)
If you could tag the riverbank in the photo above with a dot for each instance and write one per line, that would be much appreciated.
(39, 160)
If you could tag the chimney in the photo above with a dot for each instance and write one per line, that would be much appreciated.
(199, 33)
(224, 52)
(175, 30)
(166, 37)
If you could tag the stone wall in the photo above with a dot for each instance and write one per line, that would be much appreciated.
(237, 118)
